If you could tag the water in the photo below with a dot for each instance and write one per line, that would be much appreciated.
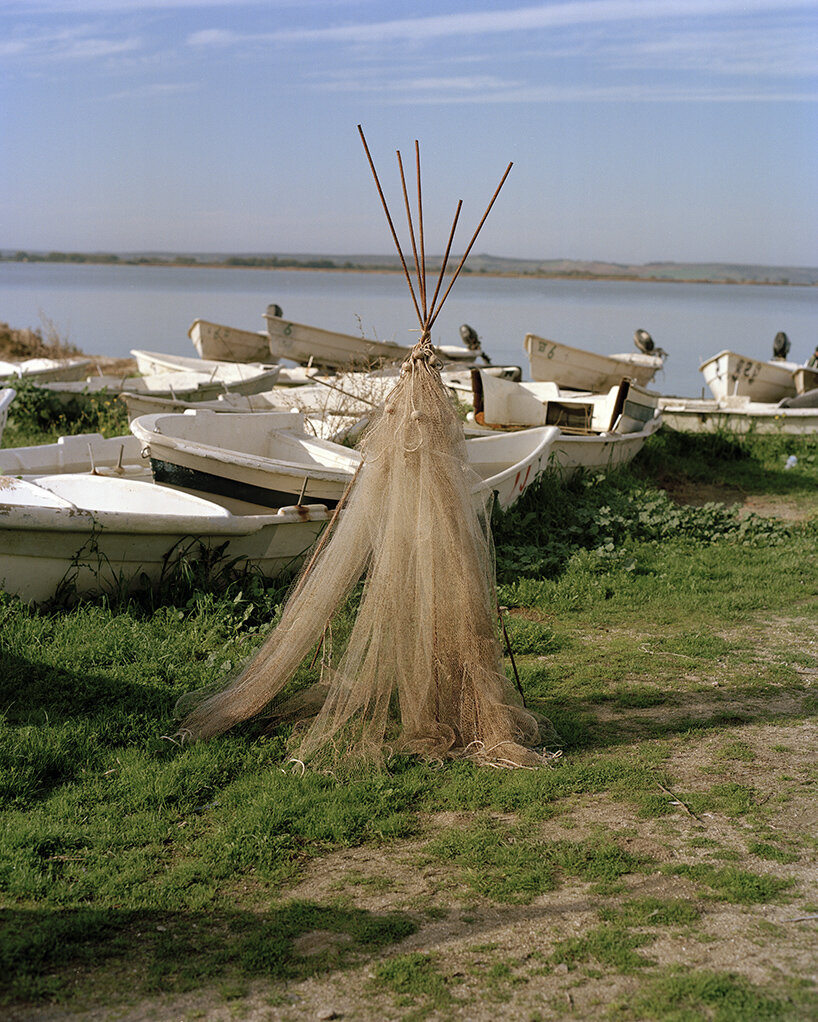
(107, 310)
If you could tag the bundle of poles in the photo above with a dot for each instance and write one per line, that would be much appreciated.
(427, 312)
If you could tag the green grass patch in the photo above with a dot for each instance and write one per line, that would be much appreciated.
(610, 945)
(772, 852)
(681, 995)
(652, 912)
(416, 981)
(505, 864)
(738, 886)
(50, 954)
(38, 416)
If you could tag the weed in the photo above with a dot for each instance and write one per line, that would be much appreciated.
(37, 415)
(735, 750)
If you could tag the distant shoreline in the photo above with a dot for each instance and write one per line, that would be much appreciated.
(327, 265)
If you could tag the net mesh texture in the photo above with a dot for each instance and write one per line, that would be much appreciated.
(422, 672)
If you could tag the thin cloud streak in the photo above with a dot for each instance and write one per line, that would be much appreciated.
(523, 19)
(156, 89)
(431, 91)
(85, 7)
(81, 43)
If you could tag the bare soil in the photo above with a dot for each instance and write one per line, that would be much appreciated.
(762, 504)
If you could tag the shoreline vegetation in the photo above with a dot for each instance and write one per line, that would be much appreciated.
(480, 265)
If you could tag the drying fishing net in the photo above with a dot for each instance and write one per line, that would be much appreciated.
(423, 670)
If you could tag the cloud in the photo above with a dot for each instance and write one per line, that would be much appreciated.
(156, 89)
(215, 37)
(80, 43)
(430, 91)
(521, 19)
(85, 7)
(784, 51)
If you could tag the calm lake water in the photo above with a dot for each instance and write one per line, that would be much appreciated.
(107, 310)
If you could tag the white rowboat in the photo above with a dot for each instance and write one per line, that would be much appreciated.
(585, 370)
(261, 458)
(739, 415)
(96, 533)
(332, 350)
(185, 386)
(229, 344)
(599, 453)
(7, 395)
(45, 370)
(729, 374)
(499, 404)
(240, 377)
(267, 457)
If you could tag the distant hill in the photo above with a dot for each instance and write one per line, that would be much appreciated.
(716, 273)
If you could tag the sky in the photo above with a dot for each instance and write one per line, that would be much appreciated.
(638, 130)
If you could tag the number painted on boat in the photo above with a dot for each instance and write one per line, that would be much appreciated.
(547, 349)
(748, 368)
(288, 329)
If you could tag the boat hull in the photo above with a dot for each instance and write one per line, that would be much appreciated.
(266, 458)
(7, 395)
(577, 369)
(736, 416)
(600, 453)
(45, 550)
(229, 344)
(331, 350)
(45, 370)
(262, 457)
(729, 374)
(85, 531)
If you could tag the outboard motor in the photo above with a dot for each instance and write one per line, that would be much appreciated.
(275, 310)
(781, 345)
(468, 335)
(644, 342)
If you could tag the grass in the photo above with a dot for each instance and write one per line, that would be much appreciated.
(678, 995)
(131, 867)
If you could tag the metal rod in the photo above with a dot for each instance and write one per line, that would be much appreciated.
(510, 653)
(420, 228)
(471, 243)
(446, 256)
(421, 286)
(303, 490)
(391, 225)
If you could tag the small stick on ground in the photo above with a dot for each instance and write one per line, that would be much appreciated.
(678, 801)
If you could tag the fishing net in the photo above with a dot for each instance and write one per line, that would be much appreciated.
(423, 669)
